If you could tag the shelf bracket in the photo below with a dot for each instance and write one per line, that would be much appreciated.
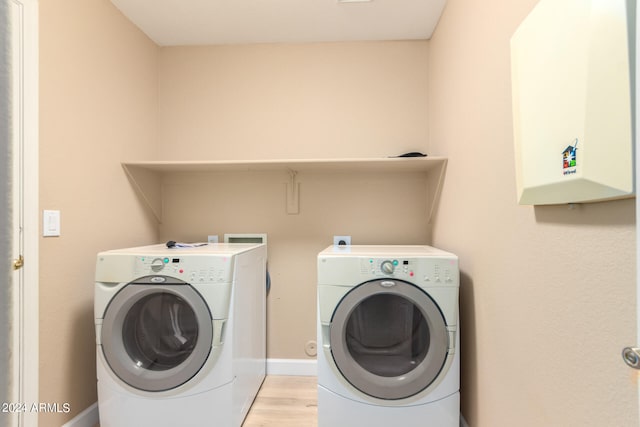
(147, 184)
(293, 194)
(436, 181)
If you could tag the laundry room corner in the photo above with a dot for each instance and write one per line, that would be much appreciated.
(95, 117)
(144, 143)
(537, 283)
(92, 114)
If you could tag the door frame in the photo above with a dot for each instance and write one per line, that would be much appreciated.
(25, 127)
(636, 122)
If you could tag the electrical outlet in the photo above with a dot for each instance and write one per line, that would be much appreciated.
(212, 238)
(341, 240)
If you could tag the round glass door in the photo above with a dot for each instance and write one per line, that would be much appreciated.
(156, 337)
(389, 339)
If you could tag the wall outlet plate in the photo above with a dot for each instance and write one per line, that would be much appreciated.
(342, 240)
(212, 238)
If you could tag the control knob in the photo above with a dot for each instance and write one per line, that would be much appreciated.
(157, 264)
(387, 267)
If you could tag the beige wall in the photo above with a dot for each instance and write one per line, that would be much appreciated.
(98, 106)
(548, 293)
(294, 101)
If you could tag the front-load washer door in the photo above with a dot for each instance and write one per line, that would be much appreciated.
(157, 333)
(389, 339)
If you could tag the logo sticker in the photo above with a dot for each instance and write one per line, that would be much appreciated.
(569, 159)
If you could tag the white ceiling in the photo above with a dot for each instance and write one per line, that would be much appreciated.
(206, 22)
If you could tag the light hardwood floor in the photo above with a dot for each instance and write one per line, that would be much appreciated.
(285, 402)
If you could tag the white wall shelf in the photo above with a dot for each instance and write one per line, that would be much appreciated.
(147, 176)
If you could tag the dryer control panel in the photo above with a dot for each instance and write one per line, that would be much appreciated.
(422, 271)
(411, 269)
(191, 269)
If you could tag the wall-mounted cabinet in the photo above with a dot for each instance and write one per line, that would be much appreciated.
(149, 177)
(572, 69)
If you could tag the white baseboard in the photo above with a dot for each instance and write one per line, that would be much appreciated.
(302, 367)
(87, 418)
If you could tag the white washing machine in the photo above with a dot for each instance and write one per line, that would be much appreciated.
(388, 337)
(180, 334)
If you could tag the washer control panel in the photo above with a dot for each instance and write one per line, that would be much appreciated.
(430, 271)
(191, 269)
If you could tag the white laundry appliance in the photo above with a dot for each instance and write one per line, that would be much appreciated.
(180, 334)
(388, 337)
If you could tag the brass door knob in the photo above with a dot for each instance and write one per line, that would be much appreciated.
(18, 263)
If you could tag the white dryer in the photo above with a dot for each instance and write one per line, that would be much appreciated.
(180, 334)
(388, 337)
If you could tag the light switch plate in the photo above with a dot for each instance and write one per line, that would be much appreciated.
(50, 223)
